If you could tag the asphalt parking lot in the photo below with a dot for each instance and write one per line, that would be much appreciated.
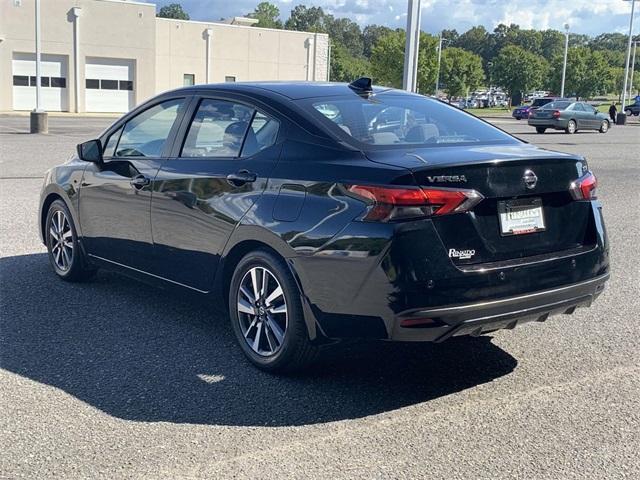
(114, 379)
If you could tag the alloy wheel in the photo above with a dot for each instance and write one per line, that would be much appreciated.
(262, 311)
(61, 241)
(604, 127)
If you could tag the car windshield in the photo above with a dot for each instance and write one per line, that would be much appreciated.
(388, 120)
(556, 106)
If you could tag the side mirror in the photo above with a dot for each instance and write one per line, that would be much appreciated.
(90, 151)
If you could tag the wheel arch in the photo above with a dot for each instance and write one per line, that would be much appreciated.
(44, 211)
(253, 241)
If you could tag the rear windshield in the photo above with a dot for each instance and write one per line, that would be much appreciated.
(388, 120)
(556, 105)
(538, 102)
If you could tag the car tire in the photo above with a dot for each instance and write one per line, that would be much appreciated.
(541, 129)
(64, 251)
(267, 318)
(571, 127)
(628, 113)
(604, 127)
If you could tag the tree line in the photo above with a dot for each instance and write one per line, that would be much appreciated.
(516, 59)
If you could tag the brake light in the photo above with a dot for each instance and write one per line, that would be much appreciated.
(584, 188)
(556, 114)
(401, 203)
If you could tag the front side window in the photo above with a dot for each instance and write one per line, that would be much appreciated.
(217, 130)
(112, 141)
(146, 133)
(396, 120)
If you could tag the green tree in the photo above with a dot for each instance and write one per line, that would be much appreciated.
(587, 73)
(461, 71)
(267, 14)
(345, 32)
(387, 60)
(517, 70)
(552, 43)
(609, 41)
(370, 36)
(345, 67)
(476, 40)
(173, 10)
(307, 19)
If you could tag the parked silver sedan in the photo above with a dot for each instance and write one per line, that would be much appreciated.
(568, 116)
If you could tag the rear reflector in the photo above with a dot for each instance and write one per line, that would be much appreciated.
(417, 322)
(394, 203)
(584, 188)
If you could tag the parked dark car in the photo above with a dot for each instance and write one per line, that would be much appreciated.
(569, 116)
(633, 109)
(524, 111)
(320, 212)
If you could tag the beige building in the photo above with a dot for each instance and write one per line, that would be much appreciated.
(110, 55)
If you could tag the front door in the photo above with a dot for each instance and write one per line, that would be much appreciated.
(201, 194)
(115, 197)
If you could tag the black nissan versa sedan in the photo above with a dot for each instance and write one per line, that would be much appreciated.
(320, 212)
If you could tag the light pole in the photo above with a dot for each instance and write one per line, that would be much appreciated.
(633, 69)
(38, 118)
(566, 50)
(626, 67)
(439, 60)
(412, 46)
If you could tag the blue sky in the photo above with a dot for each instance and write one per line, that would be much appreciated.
(585, 16)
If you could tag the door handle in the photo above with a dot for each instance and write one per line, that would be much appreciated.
(139, 181)
(241, 177)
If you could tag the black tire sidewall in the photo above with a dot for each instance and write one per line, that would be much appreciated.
(76, 269)
(296, 333)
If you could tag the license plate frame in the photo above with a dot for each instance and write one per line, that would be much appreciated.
(531, 214)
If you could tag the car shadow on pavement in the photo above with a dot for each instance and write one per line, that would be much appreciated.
(139, 353)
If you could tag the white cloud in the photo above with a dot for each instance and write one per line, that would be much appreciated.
(585, 16)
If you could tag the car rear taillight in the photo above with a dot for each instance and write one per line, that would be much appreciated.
(387, 204)
(584, 188)
(556, 114)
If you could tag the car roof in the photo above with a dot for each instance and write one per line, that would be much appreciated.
(292, 90)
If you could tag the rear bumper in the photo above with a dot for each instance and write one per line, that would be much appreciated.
(482, 317)
(548, 123)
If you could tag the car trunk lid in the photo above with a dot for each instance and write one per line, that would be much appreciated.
(511, 179)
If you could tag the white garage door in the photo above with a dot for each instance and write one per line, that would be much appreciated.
(53, 77)
(109, 84)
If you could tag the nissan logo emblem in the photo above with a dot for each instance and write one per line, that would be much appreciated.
(530, 179)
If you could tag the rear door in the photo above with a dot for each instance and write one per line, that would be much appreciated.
(577, 111)
(219, 168)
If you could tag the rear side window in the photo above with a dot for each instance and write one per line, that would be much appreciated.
(262, 134)
(146, 134)
(388, 120)
(218, 129)
(557, 105)
(539, 102)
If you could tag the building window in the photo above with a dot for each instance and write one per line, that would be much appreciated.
(44, 81)
(126, 85)
(229, 79)
(59, 82)
(92, 83)
(188, 79)
(21, 80)
(109, 84)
